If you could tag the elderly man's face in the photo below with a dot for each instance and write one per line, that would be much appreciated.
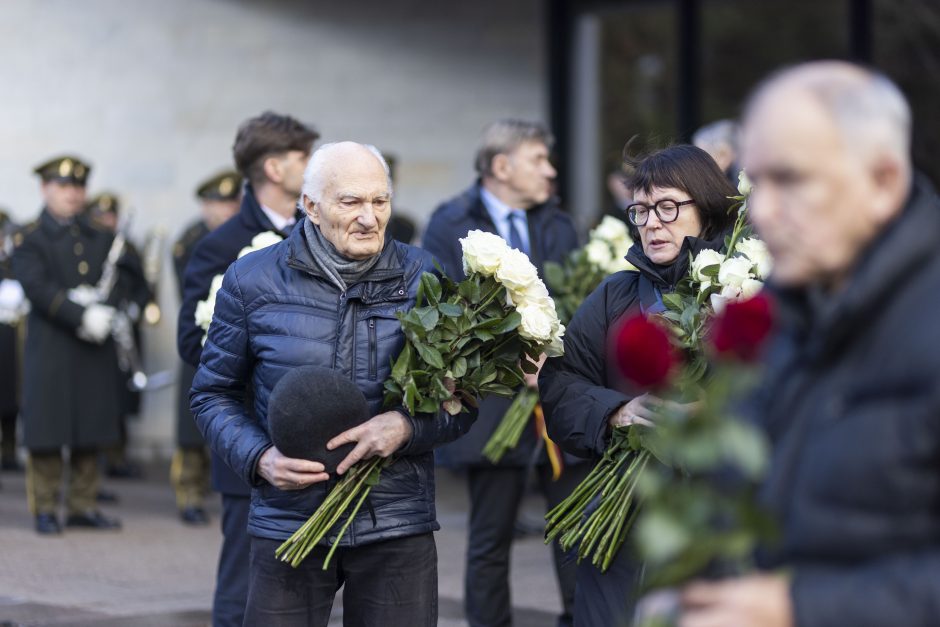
(812, 198)
(355, 206)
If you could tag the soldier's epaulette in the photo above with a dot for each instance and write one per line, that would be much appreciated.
(27, 229)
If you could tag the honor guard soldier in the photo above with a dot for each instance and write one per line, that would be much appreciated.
(13, 306)
(70, 358)
(219, 199)
(104, 210)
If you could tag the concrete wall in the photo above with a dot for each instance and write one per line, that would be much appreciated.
(151, 94)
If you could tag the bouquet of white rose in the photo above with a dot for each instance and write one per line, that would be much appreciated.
(571, 281)
(462, 341)
(206, 308)
(714, 279)
(584, 269)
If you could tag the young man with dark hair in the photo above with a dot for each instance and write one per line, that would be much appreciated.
(271, 151)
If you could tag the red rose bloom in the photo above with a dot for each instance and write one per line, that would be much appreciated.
(742, 328)
(644, 352)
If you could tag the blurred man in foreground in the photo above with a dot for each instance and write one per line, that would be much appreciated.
(851, 398)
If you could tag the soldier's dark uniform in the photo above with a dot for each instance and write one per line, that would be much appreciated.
(104, 210)
(190, 470)
(69, 398)
(10, 333)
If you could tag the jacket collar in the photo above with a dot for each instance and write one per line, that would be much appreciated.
(56, 228)
(389, 267)
(252, 216)
(667, 277)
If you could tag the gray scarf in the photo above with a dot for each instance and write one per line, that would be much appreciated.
(342, 271)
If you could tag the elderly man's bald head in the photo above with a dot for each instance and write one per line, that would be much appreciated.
(827, 147)
(869, 111)
(347, 193)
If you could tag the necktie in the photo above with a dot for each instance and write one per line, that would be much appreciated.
(515, 238)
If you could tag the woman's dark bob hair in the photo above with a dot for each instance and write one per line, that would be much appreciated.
(692, 170)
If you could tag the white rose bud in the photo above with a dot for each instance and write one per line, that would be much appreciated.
(516, 273)
(756, 251)
(734, 271)
(730, 292)
(598, 253)
(744, 183)
(482, 252)
(704, 259)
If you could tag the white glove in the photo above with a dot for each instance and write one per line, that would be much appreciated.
(13, 303)
(96, 323)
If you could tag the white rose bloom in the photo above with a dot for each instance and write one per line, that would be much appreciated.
(719, 303)
(750, 288)
(598, 253)
(205, 308)
(482, 252)
(707, 257)
(756, 251)
(536, 324)
(611, 230)
(744, 183)
(263, 240)
(734, 271)
(516, 272)
(536, 292)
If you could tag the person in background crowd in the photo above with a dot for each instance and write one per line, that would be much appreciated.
(720, 139)
(680, 207)
(189, 473)
(312, 300)
(850, 396)
(104, 209)
(512, 198)
(11, 308)
(400, 226)
(69, 346)
(271, 152)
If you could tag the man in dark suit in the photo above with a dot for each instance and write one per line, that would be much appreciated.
(189, 473)
(513, 199)
(69, 347)
(271, 151)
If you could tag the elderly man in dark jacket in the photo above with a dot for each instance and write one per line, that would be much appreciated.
(328, 296)
(851, 398)
(512, 199)
(271, 151)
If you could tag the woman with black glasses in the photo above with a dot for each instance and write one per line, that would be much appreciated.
(681, 206)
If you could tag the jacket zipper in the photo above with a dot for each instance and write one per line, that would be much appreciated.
(373, 350)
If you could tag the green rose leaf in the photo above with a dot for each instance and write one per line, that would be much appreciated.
(450, 310)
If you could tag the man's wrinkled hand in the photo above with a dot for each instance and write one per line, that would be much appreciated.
(288, 473)
(380, 436)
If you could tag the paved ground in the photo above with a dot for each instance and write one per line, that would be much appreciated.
(157, 572)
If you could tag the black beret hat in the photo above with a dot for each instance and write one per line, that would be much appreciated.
(308, 407)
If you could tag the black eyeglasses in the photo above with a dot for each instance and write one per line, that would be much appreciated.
(667, 210)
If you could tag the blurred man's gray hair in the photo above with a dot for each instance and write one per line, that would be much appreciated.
(504, 136)
(869, 110)
(315, 176)
(715, 134)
